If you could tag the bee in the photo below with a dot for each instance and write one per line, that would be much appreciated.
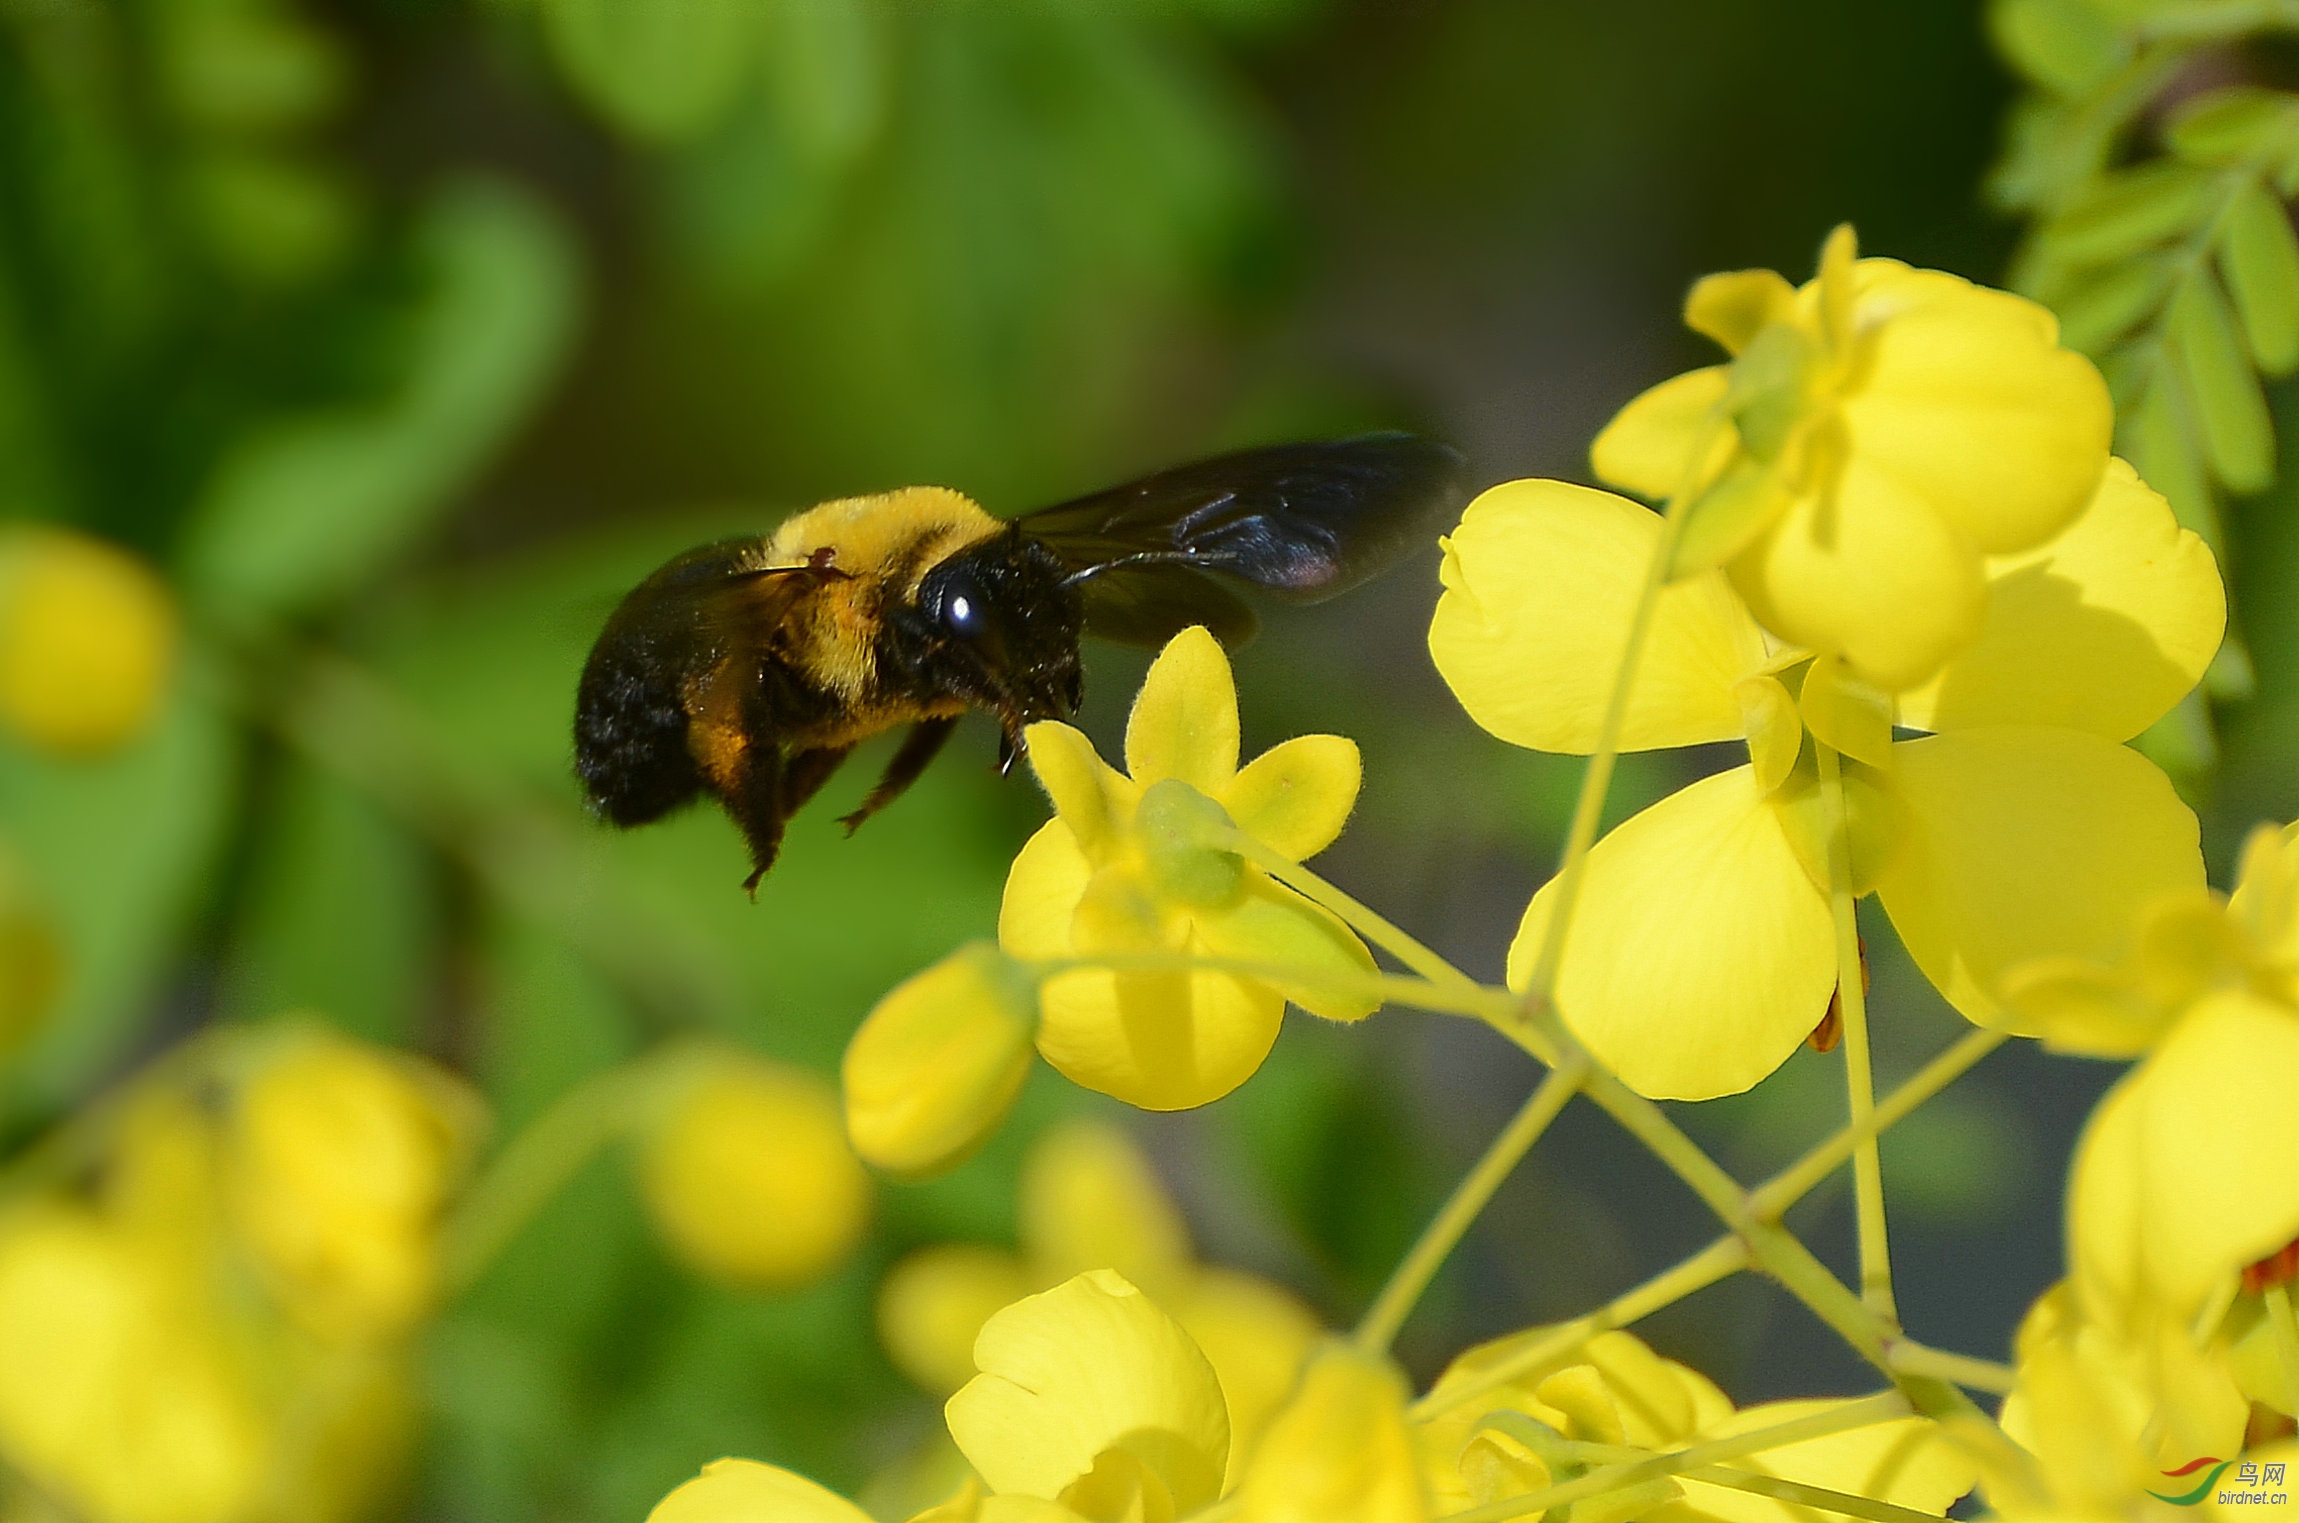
(748, 669)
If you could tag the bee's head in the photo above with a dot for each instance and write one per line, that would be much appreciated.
(996, 625)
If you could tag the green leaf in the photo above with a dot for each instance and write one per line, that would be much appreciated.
(305, 509)
(118, 851)
(2129, 212)
(2098, 310)
(341, 915)
(2260, 257)
(2234, 126)
(2231, 411)
(2155, 435)
(2067, 46)
(661, 71)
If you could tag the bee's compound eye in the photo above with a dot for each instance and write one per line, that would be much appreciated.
(963, 613)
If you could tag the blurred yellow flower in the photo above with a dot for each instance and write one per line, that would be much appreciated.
(1136, 863)
(1340, 1451)
(341, 1159)
(936, 1065)
(1091, 1396)
(745, 1170)
(1703, 949)
(145, 1377)
(1089, 1200)
(87, 640)
(1877, 433)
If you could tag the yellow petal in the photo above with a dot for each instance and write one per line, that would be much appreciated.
(1647, 447)
(1049, 876)
(2266, 904)
(1966, 401)
(1090, 797)
(936, 1065)
(1340, 1451)
(933, 1303)
(1184, 721)
(1869, 571)
(2102, 628)
(1273, 924)
(1256, 1336)
(2213, 1131)
(1775, 729)
(1731, 307)
(1836, 285)
(1295, 797)
(1905, 1463)
(2019, 843)
(1090, 1367)
(748, 1176)
(745, 1491)
(1162, 1041)
(1846, 713)
(1090, 1200)
(1540, 581)
(1701, 954)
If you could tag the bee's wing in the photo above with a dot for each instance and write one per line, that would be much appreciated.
(1303, 520)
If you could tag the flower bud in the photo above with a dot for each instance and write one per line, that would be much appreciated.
(87, 636)
(747, 1174)
(935, 1067)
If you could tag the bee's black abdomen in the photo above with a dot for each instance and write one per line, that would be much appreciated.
(630, 718)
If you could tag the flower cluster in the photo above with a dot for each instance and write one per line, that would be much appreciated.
(1897, 562)
(223, 1317)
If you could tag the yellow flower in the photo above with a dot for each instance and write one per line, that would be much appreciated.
(118, 1391)
(1091, 1396)
(937, 1064)
(1341, 1451)
(745, 1491)
(745, 1170)
(1613, 1390)
(87, 639)
(141, 1380)
(341, 1159)
(1135, 863)
(1877, 434)
(2108, 1415)
(1089, 1200)
(1702, 951)
(2182, 1180)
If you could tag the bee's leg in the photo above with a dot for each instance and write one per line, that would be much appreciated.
(758, 805)
(910, 759)
(805, 773)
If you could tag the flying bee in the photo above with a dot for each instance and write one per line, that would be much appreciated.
(749, 668)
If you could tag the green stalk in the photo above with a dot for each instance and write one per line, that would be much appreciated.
(1777, 1194)
(1725, 1257)
(1885, 1406)
(1411, 1277)
(536, 1164)
(1859, 1074)
(1913, 1358)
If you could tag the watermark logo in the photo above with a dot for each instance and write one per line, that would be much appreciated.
(2255, 1483)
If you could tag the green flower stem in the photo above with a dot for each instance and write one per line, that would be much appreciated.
(1596, 779)
(1913, 1358)
(1884, 1407)
(1411, 1277)
(1473, 1000)
(2286, 1325)
(1777, 1194)
(1362, 918)
(1848, 1503)
(1859, 1074)
(536, 1164)
(1721, 1259)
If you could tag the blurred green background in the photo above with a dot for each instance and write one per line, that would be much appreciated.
(404, 336)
